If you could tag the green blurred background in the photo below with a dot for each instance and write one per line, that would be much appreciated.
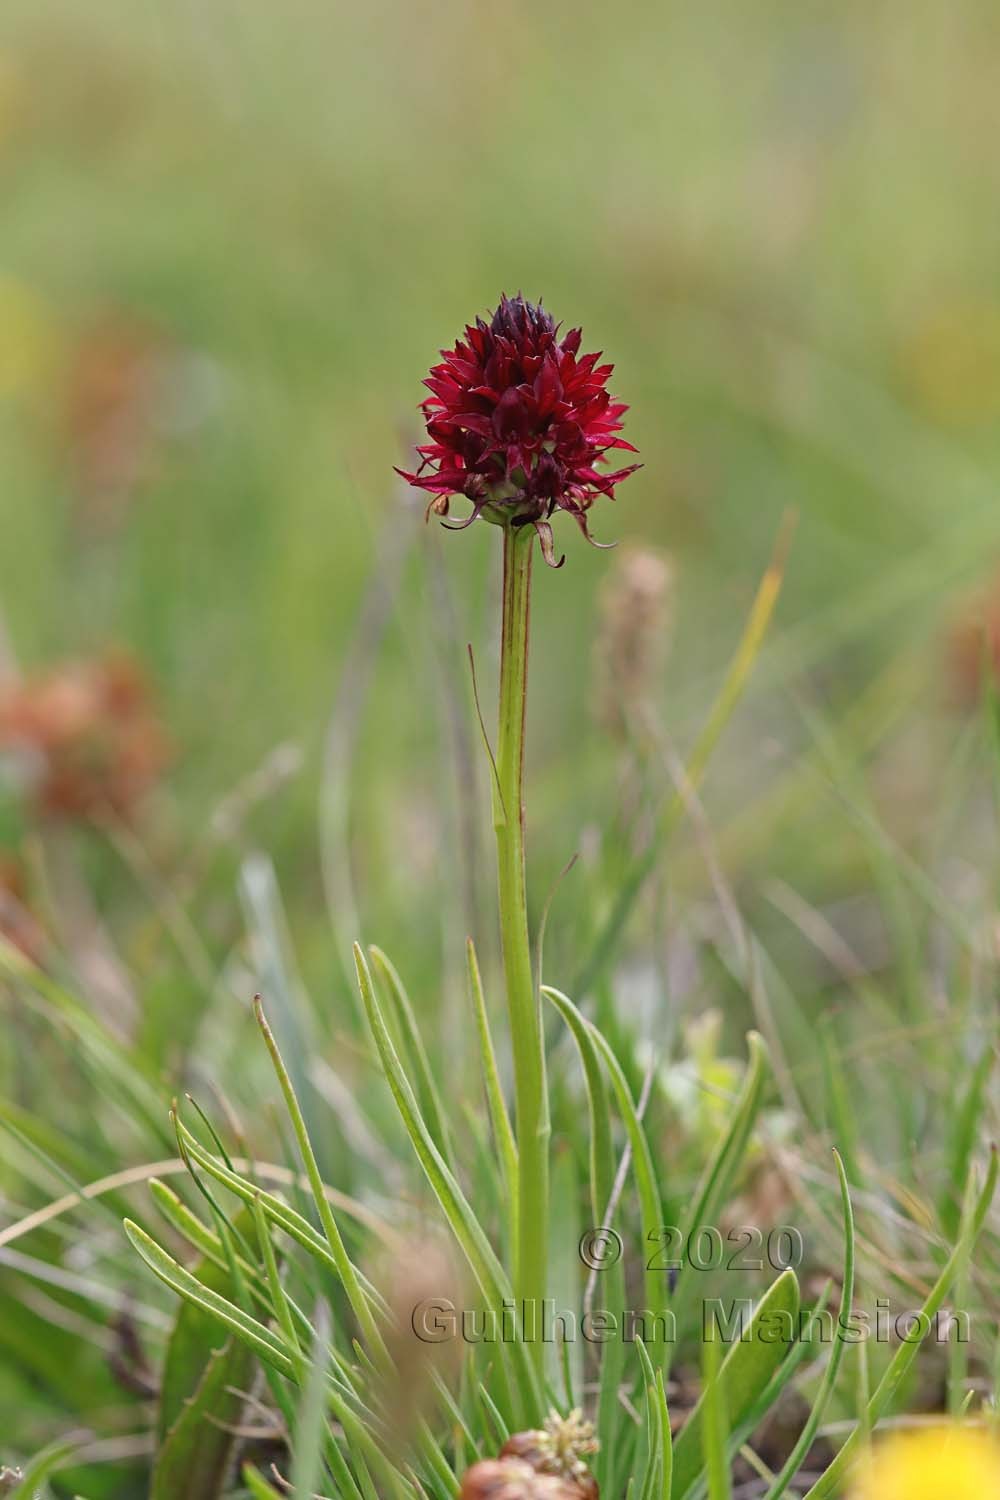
(234, 236)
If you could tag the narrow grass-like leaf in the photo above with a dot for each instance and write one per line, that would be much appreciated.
(488, 1271)
(229, 1231)
(652, 1482)
(724, 1161)
(887, 870)
(810, 1320)
(452, 1409)
(367, 1453)
(721, 711)
(414, 1050)
(185, 1221)
(307, 1438)
(863, 1397)
(602, 1155)
(490, 1275)
(194, 1456)
(41, 1143)
(959, 1390)
(347, 1486)
(280, 979)
(360, 1304)
(838, 1096)
(440, 1474)
(259, 1338)
(275, 1210)
(649, 1194)
(40, 1468)
(499, 1431)
(829, 1381)
(907, 1352)
(503, 1133)
(715, 1425)
(963, 1142)
(729, 1152)
(602, 1180)
(650, 1208)
(564, 1356)
(193, 1340)
(668, 1445)
(746, 1370)
(279, 1300)
(569, 1379)
(258, 1485)
(206, 1120)
(264, 1291)
(133, 1083)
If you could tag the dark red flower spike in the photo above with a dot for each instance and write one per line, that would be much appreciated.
(518, 423)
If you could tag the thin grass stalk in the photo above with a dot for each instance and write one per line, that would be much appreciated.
(502, 1133)
(345, 1270)
(602, 950)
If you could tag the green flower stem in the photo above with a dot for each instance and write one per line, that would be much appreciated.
(531, 1096)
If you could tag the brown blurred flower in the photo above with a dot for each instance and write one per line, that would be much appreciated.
(510, 1479)
(418, 1272)
(83, 738)
(974, 645)
(109, 414)
(17, 923)
(634, 634)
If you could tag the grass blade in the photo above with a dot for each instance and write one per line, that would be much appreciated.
(602, 1182)
(907, 1352)
(963, 1142)
(194, 1457)
(258, 1485)
(725, 704)
(265, 1344)
(715, 1426)
(413, 1048)
(652, 1483)
(57, 1456)
(746, 1371)
(503, 1134)
(307, 1445)
(360, 1305)
(490, 1275)
(726, 1158)
(649, 1193)
(808, 1433)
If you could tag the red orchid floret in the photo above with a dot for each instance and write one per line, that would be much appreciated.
(518, 422)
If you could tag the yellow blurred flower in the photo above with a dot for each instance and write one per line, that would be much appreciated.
(30, 344)
(947, 1462)
(951, 362)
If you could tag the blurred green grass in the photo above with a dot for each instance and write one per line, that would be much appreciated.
(779, 225)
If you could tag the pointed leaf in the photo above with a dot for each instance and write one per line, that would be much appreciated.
(745, 1371)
